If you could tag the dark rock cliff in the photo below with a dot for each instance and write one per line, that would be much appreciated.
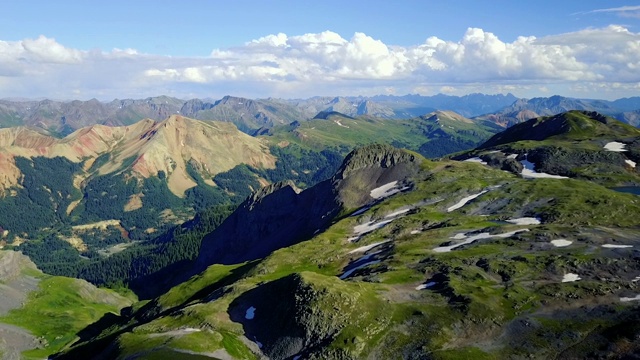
(281, 215)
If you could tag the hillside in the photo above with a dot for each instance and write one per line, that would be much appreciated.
(577, 144)
(42, 314)
(143, 149)
(71, 201)
(524, 109)
(432, 135)
(449, 260)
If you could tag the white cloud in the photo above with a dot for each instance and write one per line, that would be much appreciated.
(622, 11)
(600, 59)
(48, 50)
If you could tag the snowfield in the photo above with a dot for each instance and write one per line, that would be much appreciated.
(615, 146)
(425, 286)
(529, 173)
(386, 190)
(473, 238)
(561, 242)
(367, 247)
(476, 160)
(525, 221)
(465, 200)
(627, 299)
(570, 277)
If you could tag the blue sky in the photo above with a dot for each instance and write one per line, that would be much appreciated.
(86, 49)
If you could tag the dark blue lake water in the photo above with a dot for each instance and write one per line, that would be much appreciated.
(628, 189)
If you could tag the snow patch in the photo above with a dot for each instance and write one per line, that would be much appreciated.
(636, 279)
(473, 238)
(631, 163)
(349, 272)
(397, 212)
(525, 221)
(369, 226)
(361, 210)
(627, 299)
(529, 173)
(512, 156)
(570, 277)
(458, 236)
(414, 232)
(384, 190)
(367, 247)
(561, 242)
(465, 200)
(340, 124)
(426, 286)
(476, 160)
(250, 313)
(614, 246)
(615, 146)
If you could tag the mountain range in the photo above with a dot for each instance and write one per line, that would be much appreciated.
(252, 115)
(519, 244)
(396, 254)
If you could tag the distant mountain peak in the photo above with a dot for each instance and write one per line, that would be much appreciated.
(576, 124)
(325, 115)
(375, 155)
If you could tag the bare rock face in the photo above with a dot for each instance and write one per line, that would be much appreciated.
(279, 215)
(167, 146)
(377, 155)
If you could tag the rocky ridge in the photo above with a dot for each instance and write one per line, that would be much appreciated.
(149, 147)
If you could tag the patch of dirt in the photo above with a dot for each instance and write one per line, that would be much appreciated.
(76, 242)
(72, 206)
(134, 203)
(98, 225)
(14, 340)
(15, 286)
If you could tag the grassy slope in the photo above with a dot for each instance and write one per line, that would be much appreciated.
(490, 285)
(60, 308)
(343, 131)
(572, 144)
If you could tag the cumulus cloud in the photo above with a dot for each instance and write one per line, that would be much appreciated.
(326, 63)
(19, 57)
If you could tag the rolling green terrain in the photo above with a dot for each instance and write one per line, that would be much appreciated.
(465, 261)
(433, 135)
(573, 144)
(52, 310)
(385, 254)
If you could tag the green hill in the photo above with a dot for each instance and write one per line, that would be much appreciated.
(43, 314)
(466, 261)
(432, 135)
(576, 144)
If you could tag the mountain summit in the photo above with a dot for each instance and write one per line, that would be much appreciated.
(576, 125)
(281, 215)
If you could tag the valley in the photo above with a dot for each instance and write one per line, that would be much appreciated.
(325, 233)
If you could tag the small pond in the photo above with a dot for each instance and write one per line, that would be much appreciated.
(628, 189)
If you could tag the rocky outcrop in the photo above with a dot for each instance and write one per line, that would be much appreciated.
(280, 215)
(377, 155)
